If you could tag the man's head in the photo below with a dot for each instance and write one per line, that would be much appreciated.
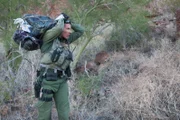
(66, 31)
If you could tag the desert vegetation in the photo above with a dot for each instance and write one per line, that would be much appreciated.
(136, 77)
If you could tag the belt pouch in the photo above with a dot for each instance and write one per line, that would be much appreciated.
(51, 75)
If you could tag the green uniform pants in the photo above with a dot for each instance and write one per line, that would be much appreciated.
(60, 95)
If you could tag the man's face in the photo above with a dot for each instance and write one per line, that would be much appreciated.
(66, 31)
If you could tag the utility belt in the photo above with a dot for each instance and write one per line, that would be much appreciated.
(51, 74)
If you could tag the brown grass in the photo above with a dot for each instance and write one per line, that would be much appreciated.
(134, 86)
(154, 92)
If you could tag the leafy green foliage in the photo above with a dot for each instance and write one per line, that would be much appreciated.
(131, 25)
(130, 31)
(127, 16)
(5, 88)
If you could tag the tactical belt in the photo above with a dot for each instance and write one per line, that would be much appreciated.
(46, 69)
(50, 67)
(46, 99)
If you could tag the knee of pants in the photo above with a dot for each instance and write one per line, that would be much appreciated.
(44, 110)
(63, 111)
(43, 106)
(63, 115)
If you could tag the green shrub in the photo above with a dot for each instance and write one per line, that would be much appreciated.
(5, 88)
(132, 26)
(87, 84)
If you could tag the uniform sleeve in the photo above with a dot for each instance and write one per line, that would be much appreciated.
(78, 31)
(54, 32)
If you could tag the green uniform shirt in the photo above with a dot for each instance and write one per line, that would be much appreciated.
(52, 40)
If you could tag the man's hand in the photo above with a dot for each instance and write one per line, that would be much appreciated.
(66, 17)
(60, 17)
(63, 16)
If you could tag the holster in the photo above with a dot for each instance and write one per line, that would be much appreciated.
(37, 85)
(68, 71)
(37, 88)
(50, 75)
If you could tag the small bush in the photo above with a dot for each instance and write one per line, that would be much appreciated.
(88, 84)
(131, 27)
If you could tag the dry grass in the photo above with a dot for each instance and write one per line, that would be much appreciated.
(134, 87)
(17, 103)
(154, 92)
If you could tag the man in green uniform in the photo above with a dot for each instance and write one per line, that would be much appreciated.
(55, 68)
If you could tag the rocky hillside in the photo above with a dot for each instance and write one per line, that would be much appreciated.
(131, 84)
